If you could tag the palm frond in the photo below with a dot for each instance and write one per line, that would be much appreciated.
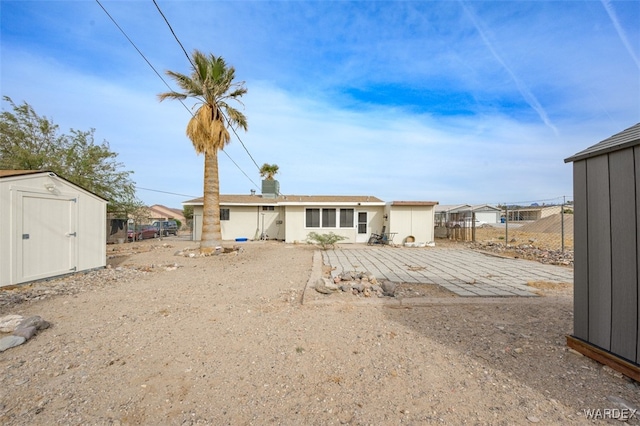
(207, 130)
(171, 95)
(237, 118)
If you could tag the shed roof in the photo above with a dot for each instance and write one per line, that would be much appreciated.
(13, 173)
(625, 139)
(7, 173)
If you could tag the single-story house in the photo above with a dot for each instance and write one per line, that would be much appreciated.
(606, 294)
(291, 218)
(532, 213)
(484, 213)
(160, 212)
(49, 225)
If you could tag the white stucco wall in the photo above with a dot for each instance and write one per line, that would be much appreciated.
(244, 222)
(296, 231)
(287, 222)
(415, 221)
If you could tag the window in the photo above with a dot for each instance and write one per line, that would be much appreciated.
(268, 208)
(346, 218)
(328, 218)
(312, 218)
(224, 214)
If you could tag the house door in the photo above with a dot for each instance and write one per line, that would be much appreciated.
(45, 236)
(363, 228)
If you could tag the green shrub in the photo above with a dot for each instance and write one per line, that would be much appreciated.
(324, 240)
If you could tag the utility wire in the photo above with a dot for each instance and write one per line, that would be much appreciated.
(165, 192)
(174, 35)
(197, 71)
(166, 84)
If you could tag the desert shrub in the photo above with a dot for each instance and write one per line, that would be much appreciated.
(324, 240)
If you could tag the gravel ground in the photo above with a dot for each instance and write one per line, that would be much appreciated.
(177, 340)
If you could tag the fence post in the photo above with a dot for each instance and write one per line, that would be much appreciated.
(562, 223)
(473, 227)
(506, 224)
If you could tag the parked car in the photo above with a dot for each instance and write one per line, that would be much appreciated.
(142, 232)
(166, 227)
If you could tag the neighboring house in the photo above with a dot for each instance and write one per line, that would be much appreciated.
(50, 227)
(291, 218)
(160, 212)
(606, 191)
(450, 212)
(157, 212)
(531, 213)
(485, 213)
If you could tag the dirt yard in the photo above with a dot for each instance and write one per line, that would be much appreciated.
(177, 340)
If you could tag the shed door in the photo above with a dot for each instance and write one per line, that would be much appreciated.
(46, 236)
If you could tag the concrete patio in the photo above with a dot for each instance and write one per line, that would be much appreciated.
(463, 271)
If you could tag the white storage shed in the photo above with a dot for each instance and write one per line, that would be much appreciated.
(48, 227)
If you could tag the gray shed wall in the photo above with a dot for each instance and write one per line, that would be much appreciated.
(607, 251)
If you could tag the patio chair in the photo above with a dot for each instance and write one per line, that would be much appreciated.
(381, 238)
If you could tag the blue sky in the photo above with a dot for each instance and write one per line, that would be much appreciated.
(449, 101)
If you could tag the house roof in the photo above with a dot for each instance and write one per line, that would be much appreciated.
(534, 208)
(414, 203)
(227, 199)
(625, 139)
(452, 207)
(485, 207)
(168, 211)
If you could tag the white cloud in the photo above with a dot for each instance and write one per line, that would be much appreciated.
(302, 64)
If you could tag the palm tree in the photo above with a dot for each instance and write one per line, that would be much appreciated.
(211, 85)
(268, 171)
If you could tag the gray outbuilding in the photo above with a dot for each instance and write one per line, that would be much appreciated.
(48, 227)
(606, 191)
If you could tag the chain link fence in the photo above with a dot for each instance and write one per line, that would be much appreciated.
(543, 224)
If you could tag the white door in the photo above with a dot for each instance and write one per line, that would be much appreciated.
(363, 228)
(45, 237)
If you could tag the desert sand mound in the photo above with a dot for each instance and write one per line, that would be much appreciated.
(550, 225)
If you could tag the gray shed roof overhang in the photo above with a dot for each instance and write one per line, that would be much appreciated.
(625, 139)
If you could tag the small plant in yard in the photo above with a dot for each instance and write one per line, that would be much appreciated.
(324, 240)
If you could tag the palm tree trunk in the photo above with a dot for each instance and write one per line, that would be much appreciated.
(211, 231)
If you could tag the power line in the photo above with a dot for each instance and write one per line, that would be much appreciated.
(166, 192)
(135, 47)
(174, 35)
(197, 71)
(167, 84)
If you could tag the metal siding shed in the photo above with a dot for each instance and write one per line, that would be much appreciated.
(607, 251)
